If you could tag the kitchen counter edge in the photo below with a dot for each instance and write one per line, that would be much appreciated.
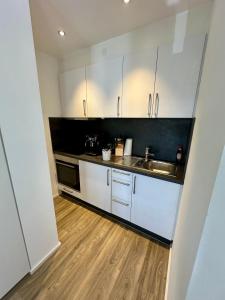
(179, 179)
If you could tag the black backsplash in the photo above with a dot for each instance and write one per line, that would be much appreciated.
(162, 135)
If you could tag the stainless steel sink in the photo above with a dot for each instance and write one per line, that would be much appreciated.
(159, 167)
(126, 160)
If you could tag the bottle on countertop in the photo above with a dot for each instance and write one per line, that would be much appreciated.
(180, 154)
(119, 147)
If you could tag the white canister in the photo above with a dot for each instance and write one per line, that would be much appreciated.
(128, 147)
(106, 154)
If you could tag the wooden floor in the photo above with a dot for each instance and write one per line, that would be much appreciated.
(98, 259)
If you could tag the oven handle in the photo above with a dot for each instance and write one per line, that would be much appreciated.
(66, 165)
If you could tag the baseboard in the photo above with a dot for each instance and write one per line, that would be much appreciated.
(168, 275)
(55, 195)
(38, 265)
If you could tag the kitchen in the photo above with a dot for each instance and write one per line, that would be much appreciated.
(131, 97)
(121, 111)
(110, 184)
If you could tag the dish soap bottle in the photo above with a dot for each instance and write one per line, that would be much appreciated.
(180, 154)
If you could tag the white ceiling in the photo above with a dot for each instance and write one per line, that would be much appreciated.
(87, 22)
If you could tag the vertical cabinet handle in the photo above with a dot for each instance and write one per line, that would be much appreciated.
(134, 185)
(84, 107)
(108, 177)
(156, 104)
(118, 106)
(150, 105)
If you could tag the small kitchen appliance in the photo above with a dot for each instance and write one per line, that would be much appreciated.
(92, 144)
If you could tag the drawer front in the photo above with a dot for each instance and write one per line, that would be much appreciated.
(121, 209)
(70, 191)
(121, 190)
(122, 175)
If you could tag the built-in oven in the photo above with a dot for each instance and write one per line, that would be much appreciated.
(67, 169)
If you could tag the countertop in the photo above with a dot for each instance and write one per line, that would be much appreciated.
(127, 164)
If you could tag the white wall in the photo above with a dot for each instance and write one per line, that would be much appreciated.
(23, 130)
(207, 146)
(48, 70)
(145, 37)
(207, 280)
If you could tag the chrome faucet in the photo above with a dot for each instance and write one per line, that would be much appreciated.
(148, 154)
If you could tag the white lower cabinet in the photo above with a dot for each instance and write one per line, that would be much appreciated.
(154, 205)
(121, 193)
(95, 182)
(145, 201)
(121, 209)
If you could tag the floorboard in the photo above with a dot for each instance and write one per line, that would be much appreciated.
(98, 260)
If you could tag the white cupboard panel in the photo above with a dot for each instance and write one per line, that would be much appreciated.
(138, 83)
(155, 204)
(121, 209)
(73, 93)
(95, 182)
(177, 79)
(122, 175)
(104, 88)
(121, 190)
(14, 263)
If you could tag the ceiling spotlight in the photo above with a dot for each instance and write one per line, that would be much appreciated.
(126, 1)
(61, 32)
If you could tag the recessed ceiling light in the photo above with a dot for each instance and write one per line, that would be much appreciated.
(126, 1)
(61, 32)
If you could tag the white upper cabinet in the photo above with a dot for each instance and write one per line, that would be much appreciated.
(73, 93)
(138, 84)
(177, 79)
(104, 88)
(155, 204)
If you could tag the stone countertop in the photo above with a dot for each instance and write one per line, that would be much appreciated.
(127, 164)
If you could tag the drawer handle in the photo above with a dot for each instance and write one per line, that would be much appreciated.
(65, 165)
(122, 173)
(120, 182)
(120, 202)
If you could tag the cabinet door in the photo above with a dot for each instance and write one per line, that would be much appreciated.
(73, 93)
(154, 205)
(138, 84)
(177, 79)
(95, 182)
(13, 256)
(104, 88)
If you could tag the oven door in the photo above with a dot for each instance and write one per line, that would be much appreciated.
(68, 174)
